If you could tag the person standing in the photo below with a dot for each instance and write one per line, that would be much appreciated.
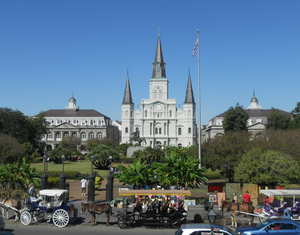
(83, 186)
(267, 200)
(286, 213)
(235, 199)
(247, 197)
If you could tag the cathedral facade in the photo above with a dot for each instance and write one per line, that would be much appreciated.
(158, 120)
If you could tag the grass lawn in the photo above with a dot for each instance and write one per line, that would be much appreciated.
(83, 167)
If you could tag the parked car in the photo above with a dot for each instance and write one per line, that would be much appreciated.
(274, 226)
(203, 229)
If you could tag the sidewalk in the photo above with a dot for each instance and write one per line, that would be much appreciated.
(100, 195)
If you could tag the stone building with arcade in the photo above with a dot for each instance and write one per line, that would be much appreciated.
(81, 123)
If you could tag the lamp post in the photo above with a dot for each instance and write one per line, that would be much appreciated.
(212, 215)
(110, 183)
(44, 176)
(155, 179)
(62, 177)
(225, 167)
(91, 190)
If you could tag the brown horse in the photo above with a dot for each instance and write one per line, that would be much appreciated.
(96, 208)
(11, 202)
(235, 208)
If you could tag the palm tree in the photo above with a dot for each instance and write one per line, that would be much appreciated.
(180, 169)
(101, 154)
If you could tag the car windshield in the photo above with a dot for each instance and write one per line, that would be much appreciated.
(262, 224)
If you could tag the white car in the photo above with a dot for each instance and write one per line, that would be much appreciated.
(203, 229)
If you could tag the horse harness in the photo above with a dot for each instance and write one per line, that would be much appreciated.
(92, 210)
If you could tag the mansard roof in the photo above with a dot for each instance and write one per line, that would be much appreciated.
(79, 113)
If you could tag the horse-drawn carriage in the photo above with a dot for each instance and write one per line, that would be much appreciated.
(52, 203)
(153, 207)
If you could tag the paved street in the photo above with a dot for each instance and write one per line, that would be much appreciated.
(83, 223)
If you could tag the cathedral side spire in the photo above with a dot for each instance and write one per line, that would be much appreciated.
(127, 99)
(189, 96)
(159, 70)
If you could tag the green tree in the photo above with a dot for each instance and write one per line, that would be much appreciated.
(10, 149)
(138, 154)
(267, 168)
(137, 174)
(296, 117)
(101, 154)
(278, 121)
(70, 143)
(20, 174)
(227, 148)
(122, 149)
(24, 129)
(235, 119)
(28, 149)
(180, 169)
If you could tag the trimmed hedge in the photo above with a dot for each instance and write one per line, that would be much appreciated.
(212, 175)
(127, 160)
(53, 182)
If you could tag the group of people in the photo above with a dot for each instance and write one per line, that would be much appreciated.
(246, 198)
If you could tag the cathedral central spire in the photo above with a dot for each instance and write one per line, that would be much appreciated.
(159, 70)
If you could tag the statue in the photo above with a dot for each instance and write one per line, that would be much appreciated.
(136, 137)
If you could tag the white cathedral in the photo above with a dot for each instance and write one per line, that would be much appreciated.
(159, 121)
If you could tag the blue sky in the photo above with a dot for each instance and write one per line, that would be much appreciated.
(49, 49)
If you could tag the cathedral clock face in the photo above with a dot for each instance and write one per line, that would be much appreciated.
(158, 107)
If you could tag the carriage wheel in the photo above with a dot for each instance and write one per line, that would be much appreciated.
(25, 218)
(74, 216)
(175, 222)
(124, 222)
(60, 218)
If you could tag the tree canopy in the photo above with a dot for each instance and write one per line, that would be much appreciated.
(24, 129)
(10, 149)
(267, 167)
(278, 121)
(235, 119)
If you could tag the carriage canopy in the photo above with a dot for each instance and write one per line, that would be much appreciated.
(52, 192)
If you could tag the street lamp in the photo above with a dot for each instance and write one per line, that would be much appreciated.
(225, 167)
(44, 176)
(62, 177)
(91, 190)
(110, 182)
(45, 159)
(155, 179)
(110, 159)
(212, 215)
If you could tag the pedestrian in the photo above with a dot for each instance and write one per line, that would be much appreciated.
(242, 199)
(78, 159)
(235, 199)
(267, 200)
(247, 197)
(286, 213)
(83, 186)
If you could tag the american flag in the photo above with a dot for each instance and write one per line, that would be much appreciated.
(195, 47)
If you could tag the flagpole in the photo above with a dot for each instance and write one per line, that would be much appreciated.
(199, 100)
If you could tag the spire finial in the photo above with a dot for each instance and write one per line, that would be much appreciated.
(189, 71)
(73, 93)
(254, 93)
(159, 32)
(127, 72)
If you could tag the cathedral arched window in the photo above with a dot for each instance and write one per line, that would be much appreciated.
(58, 136)
(155, 94)
(190, 130)
(126, 129)
(49, 136)
(170, 113)
(189, 113)
(91, 135)
(160, 94)
(126, 113)
(74, 134)
(156, 130)
(66, 135)
(83, 135)
(99, 135)
(179, 131)
(159, 130)
(145, 113)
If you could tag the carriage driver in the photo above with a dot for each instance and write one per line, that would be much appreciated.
(32, 195)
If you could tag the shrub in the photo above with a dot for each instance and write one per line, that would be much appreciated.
(69, 174)
(53, 182)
